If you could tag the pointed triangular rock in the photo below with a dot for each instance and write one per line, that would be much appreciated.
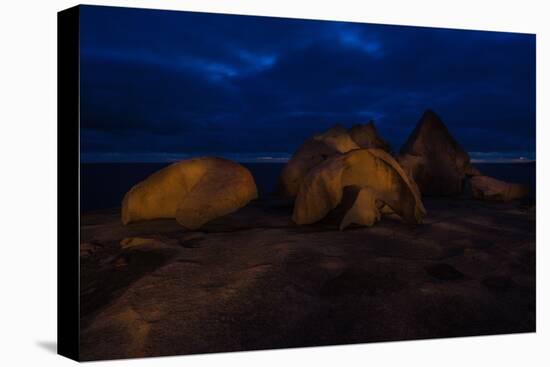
(434, 158)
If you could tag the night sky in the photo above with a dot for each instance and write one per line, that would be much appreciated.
(161, 85)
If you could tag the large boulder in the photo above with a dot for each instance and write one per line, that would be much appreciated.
(335, 141)
(192, 191)
(366, 136)
(488, 188)
(377, 179)
(315, 150)
(434, 158)
(337, 138)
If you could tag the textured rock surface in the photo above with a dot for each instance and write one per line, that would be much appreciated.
(434, 158)
(253, 280)
(335, 141)
(386, 182)
(488, 188)
(338, 139)
(193, 191)
(314, 151)
(366, 136)
(365, 210)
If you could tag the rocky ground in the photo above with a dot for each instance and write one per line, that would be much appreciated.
(253, 280)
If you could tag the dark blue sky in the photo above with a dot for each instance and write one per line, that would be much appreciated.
(158, 85)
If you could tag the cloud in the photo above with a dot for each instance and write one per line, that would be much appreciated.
(161, 82)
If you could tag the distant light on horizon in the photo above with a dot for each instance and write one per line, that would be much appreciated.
(502, 157)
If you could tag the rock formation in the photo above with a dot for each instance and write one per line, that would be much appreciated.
(434, 158)
(378, 181)
(315, 150)
(366, 136)
(472, 171)
(192, 191)
(488, 188)
(337, 140)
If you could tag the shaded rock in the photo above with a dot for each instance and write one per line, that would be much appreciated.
(374, 169)
(528, 204)
(356, 282)
(434, 158)
(193, 191)
(140, 242)
(488, 188)
(107, 275)
(443, 272)
(315, 150)
(498, 283)
(191, 240)
(260, 282)
(366, 136)
(472, 171)
(87, 249)
(365, 209)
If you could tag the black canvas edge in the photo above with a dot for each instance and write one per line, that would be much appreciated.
(68, 169)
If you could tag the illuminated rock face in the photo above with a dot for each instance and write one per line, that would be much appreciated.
(365, 209)
(337, 138)
(379, 181)
(314, 151)
(335, 141)
(488, 188)
(434, 158)
(193, 191)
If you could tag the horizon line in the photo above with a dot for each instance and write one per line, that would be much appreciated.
(272, 157)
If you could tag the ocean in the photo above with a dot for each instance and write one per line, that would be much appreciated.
(103, 185)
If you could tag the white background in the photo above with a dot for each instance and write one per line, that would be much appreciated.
(28, 182)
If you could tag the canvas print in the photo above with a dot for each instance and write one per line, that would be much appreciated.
(254, 182)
